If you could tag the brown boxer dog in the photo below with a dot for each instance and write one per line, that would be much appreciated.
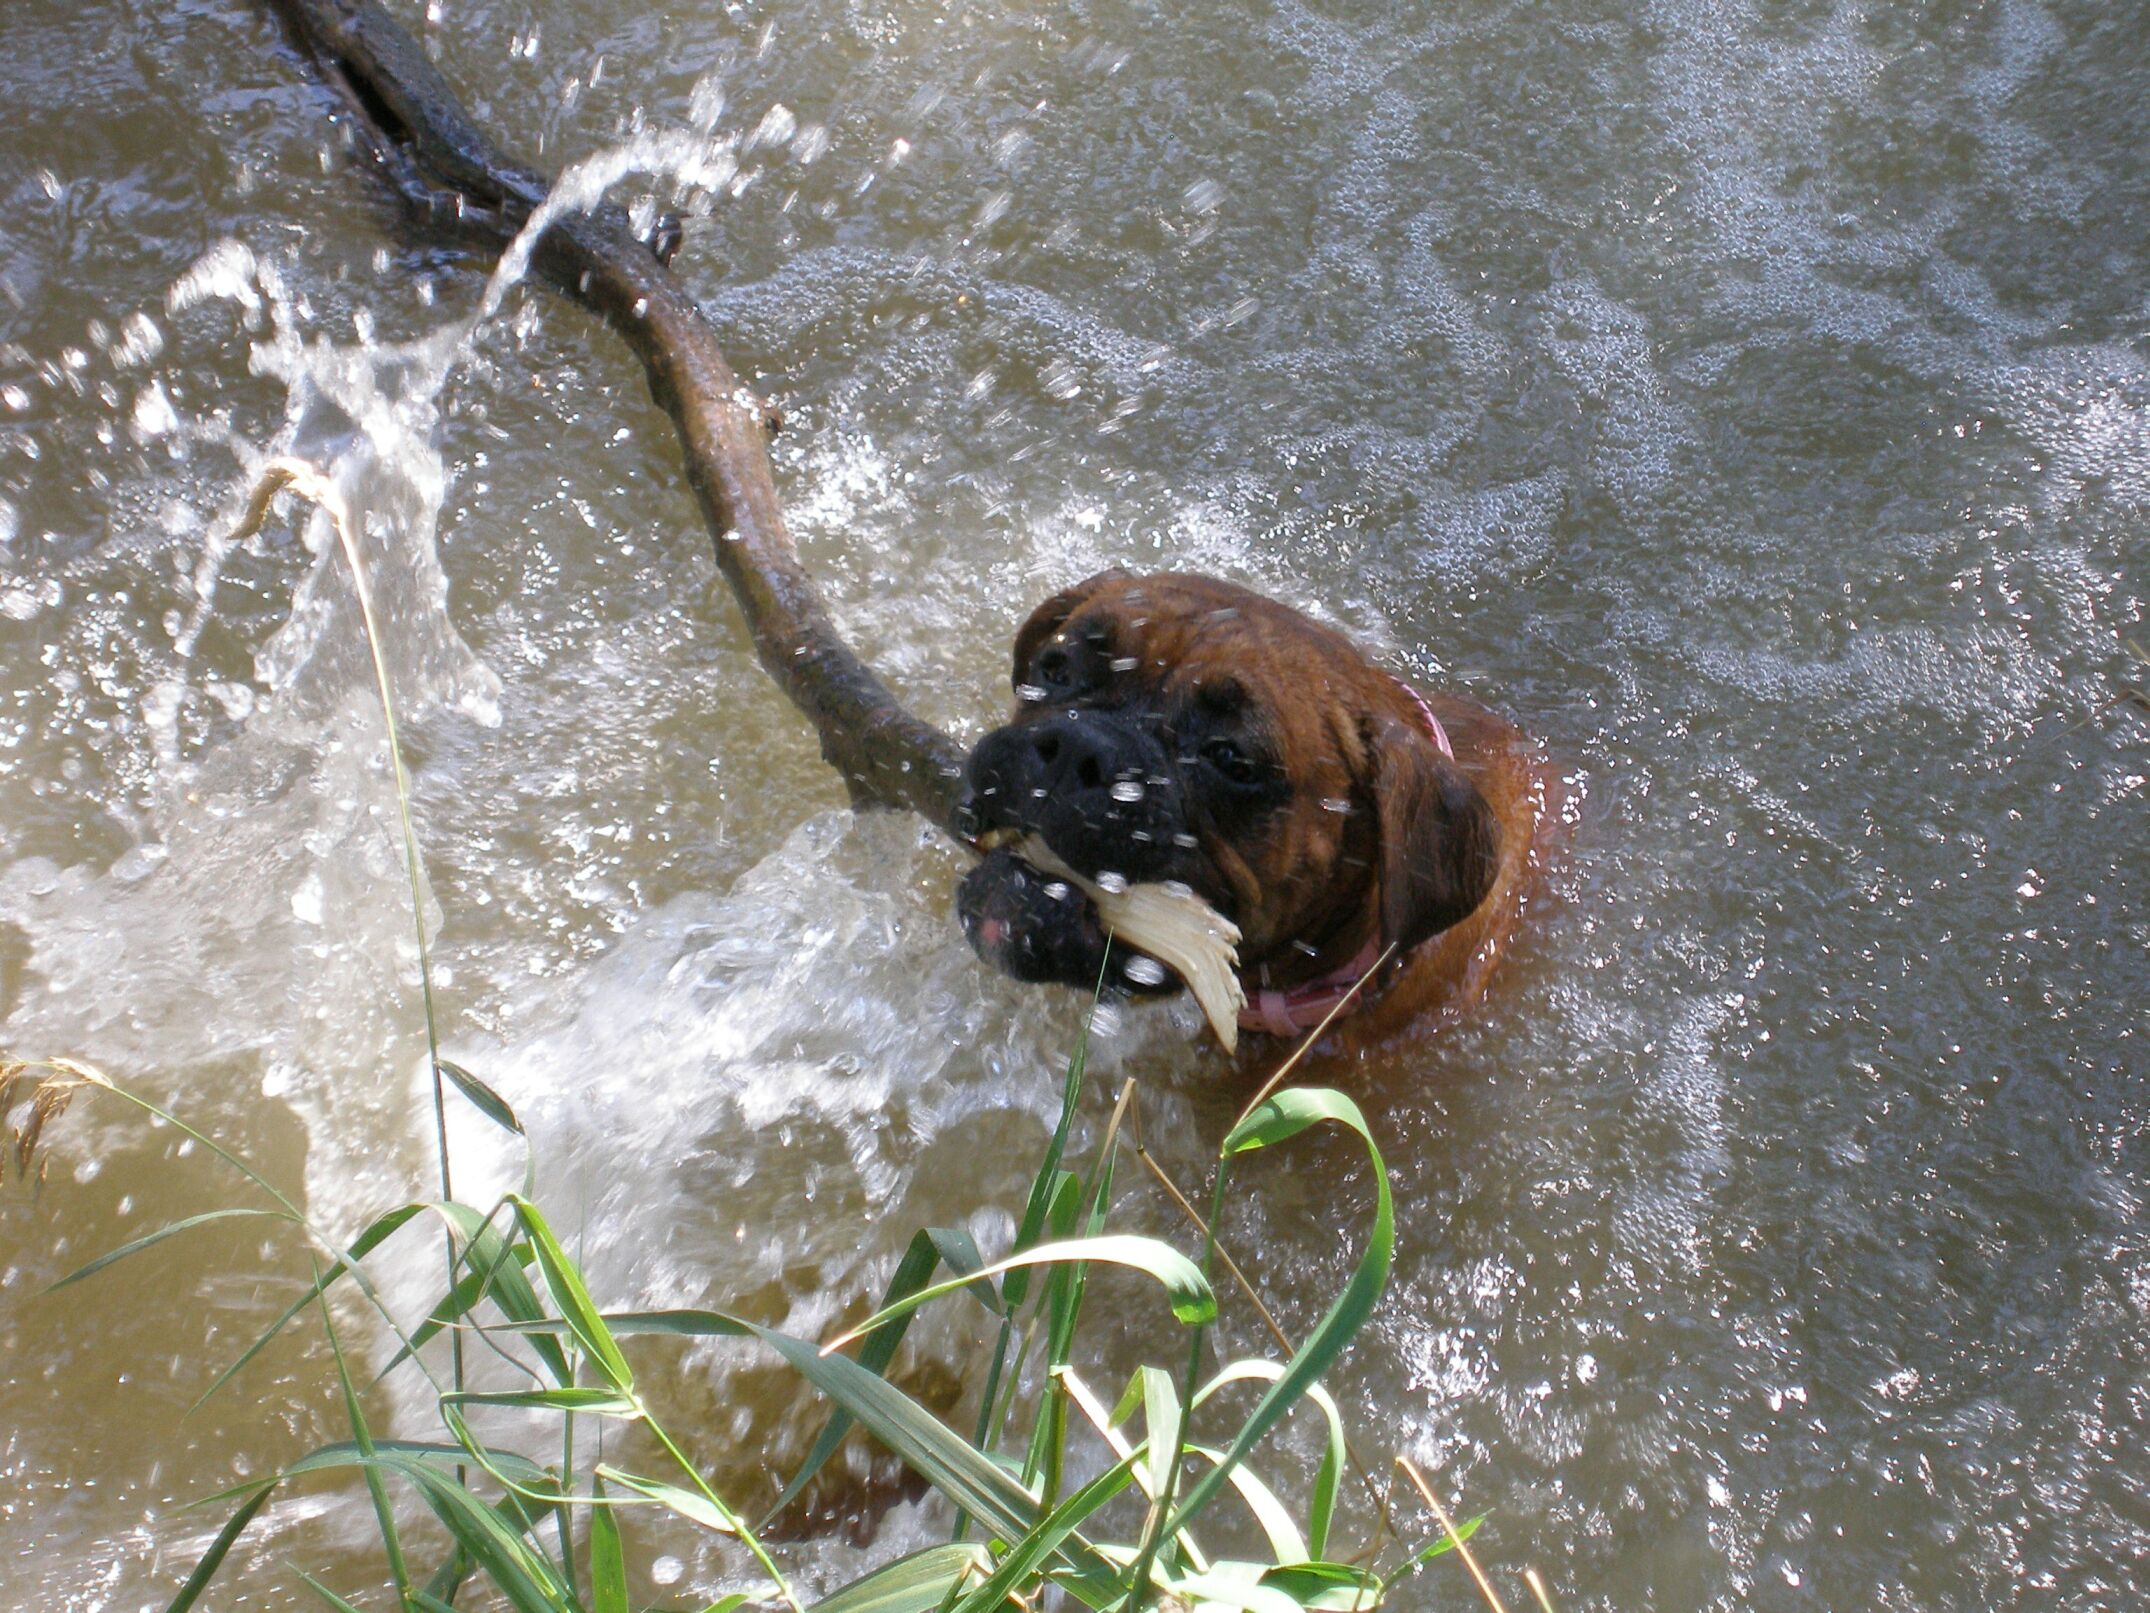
(1175, 727)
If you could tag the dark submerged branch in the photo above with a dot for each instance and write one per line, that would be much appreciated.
(450, 175)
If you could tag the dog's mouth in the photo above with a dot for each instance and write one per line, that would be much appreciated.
(1033, 916)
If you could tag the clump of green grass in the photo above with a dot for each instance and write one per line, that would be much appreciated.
(543, 1532)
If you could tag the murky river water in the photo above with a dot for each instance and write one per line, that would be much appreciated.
(1748, 398)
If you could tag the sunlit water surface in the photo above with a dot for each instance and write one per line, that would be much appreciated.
(1747, 398)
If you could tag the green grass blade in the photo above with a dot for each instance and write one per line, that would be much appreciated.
(506, 1556)
(1221, 1591)
(1286, 1544)
(163, 1232)
(940, 1456)
(694, 1508)
(598, 1402)
(1028, 1555)
(371, 1237)
(1327, 1587)
(1185, 1287)
(959, 1253)
(1042, 1188)
(874, 1355)
(1275, 1120)
(362, 1436)
(1435, 1547)
(326, 1595)
(917, 1583)
(1321, 1507)
(1162, 1422)
(219, 1549)
(482, 1097)
(409, 1457)
(486, 1249)
(563, 1281)
(484, 1277)
(608, 1561)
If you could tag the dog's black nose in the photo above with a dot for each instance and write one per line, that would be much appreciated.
(1076, 756)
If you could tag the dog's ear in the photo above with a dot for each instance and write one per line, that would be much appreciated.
(1440, 842)
(1046, 619)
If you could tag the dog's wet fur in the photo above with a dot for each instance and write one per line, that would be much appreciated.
(1174, 727)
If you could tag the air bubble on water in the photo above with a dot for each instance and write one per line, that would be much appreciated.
(139, 341)
(1110, 881)
(666, 1570)
(1128, 790)
(154, 416)
(1144, 971)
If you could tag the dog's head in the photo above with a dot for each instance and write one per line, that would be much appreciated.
(1175, 727)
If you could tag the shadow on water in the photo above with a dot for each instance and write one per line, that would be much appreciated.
(1749, 400)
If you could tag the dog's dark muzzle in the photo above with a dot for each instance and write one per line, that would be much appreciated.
(1101, 792)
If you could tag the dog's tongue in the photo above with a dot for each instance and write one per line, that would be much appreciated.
(1172, 925)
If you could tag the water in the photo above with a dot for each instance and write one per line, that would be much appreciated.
(1747, 398)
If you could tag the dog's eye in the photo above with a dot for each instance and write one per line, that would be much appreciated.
(1227, 758)
(1055, 667)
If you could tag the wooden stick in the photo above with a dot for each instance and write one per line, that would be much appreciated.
(450, 175)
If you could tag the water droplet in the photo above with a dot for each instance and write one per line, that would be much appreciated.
(1144, 971)
(1124, 663)
(1335, 803)
(1128, 790)
(1203, 196)
(1109, 881)
(1029, 693)
(667, 1570)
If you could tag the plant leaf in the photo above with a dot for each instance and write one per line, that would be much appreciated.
(600, 1402)
(163, 1232)
(608, 1561)
(219, 1548)
(1226, 1591)
(564, 1283)
(917, 1583)
(487, 1102)
(322, 1591)
(879, 1349)
(1188, 1290)
(375, 1233)
(1321, 1508)
(1276, 1119)
(694, 1508)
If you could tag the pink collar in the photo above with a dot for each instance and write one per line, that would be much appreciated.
(1288, 1013)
